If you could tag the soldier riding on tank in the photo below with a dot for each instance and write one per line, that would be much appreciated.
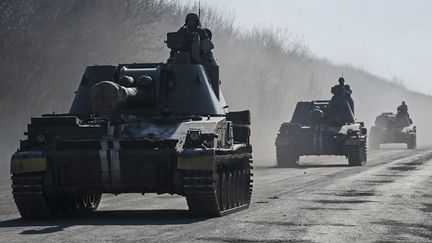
(192, 31)
(342, 102)
(192, 44)
(402, 118)
(403, 109)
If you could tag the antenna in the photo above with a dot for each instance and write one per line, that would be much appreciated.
(199, 9)
(342, 75)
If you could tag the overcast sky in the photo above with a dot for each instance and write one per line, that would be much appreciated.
(390, 38)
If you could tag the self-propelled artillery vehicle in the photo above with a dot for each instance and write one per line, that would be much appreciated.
(138, 128)
(393, 128)
(325, 127)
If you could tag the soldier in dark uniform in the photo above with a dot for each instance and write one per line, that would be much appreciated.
(342, 102)
(343, 90)
(192, 30)
(195, 47)
(403, 109)
(402, 117)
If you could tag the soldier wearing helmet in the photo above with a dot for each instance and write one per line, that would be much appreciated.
(342, 103)
(402, 117)
(192, 44)
(192, 22)
(192, 30)
(402, 109)
(343, 90)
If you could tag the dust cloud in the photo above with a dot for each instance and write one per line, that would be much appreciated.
(47, 44)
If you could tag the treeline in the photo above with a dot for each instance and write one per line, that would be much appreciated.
(47, 44)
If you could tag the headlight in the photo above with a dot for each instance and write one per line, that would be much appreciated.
(196, 139)
(40, 138)
(195, 135)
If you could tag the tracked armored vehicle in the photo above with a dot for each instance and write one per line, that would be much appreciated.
(322, 128)
(393, 128)
(138, 128)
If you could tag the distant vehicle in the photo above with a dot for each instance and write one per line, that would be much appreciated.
(393, 128)
(322, 128)
(138, 128)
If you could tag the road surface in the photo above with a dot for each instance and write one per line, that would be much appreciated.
(387, 200)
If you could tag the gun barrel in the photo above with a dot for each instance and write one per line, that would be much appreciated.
(106, 97)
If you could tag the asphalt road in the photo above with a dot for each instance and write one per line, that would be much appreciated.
(387, 200)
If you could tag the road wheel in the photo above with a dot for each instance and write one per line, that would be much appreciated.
(286, 157)
(78, 202)
(92, 201)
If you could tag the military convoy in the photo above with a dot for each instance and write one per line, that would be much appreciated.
(393, 128)
(139, 128)
(325, 127)
(165, 128)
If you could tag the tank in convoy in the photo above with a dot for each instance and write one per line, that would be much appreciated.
(140, 128)
(324, 127)
(393, 128)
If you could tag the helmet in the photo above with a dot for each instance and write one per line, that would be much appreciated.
(192, 17)
(341, 80)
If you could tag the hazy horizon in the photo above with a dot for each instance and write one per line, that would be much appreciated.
(388, 38)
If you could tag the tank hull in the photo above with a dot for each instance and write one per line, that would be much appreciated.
(314, 141)
(380, 135)
(295, 140)
(77, 168)
(125, 170)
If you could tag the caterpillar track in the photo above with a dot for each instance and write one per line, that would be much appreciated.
(357, 155)
(30, 195)
(220, 192)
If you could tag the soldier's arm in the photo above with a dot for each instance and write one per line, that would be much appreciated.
(332, 90)
(203, 34)
(348, 89)
(206, 43)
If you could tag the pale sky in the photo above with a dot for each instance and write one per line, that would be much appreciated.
(390, 38)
